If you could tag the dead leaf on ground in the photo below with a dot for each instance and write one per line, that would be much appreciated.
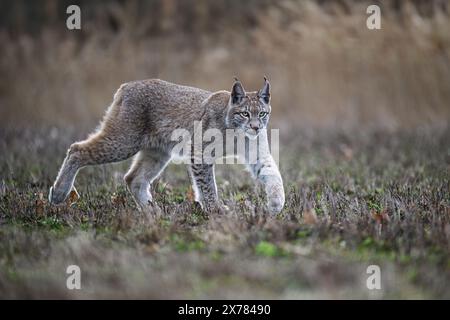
(39, 204)
(72, 197)
(380, 217)
(310, 217)
(190, 195)
(118, 199)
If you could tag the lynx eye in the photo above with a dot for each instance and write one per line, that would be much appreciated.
(262, 114)
(245, 114)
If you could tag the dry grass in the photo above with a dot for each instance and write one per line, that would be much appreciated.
(326, 67)
(364, 127)
(351, 202)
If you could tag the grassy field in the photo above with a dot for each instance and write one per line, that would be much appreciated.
(364, 123)
(352, 201)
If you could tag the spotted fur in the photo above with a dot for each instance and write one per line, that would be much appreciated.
(140, 122)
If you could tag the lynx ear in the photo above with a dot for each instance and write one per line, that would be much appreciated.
(237, 92)
(264, 93)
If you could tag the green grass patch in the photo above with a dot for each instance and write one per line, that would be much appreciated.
(267, 249)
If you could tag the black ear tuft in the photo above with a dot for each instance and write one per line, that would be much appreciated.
(264, 93)
(237, 92)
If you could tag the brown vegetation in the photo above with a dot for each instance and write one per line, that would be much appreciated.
(364, 129)
(327, 68)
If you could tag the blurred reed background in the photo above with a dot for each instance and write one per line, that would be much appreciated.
(327, 69)
(365, 150)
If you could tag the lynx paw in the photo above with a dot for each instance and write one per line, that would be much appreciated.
(223, 209)
(275, 205)
(55, 196)
(275, 199)
(213, 208)
(151, 208)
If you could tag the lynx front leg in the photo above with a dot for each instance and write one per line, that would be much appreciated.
(265, 170)
(146, 167)
(267, 173)
(204, 185)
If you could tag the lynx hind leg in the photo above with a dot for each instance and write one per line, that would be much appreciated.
(99, 149)
(146, 167)
(115, 141)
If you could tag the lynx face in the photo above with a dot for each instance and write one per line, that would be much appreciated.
(249, 112)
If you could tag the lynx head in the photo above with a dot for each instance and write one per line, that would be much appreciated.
(249, 111)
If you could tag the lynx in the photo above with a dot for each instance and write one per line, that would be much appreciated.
(139, 123)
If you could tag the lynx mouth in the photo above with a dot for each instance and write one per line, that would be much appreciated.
(251, 134)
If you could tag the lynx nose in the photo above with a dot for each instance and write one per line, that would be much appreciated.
(254, 126)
